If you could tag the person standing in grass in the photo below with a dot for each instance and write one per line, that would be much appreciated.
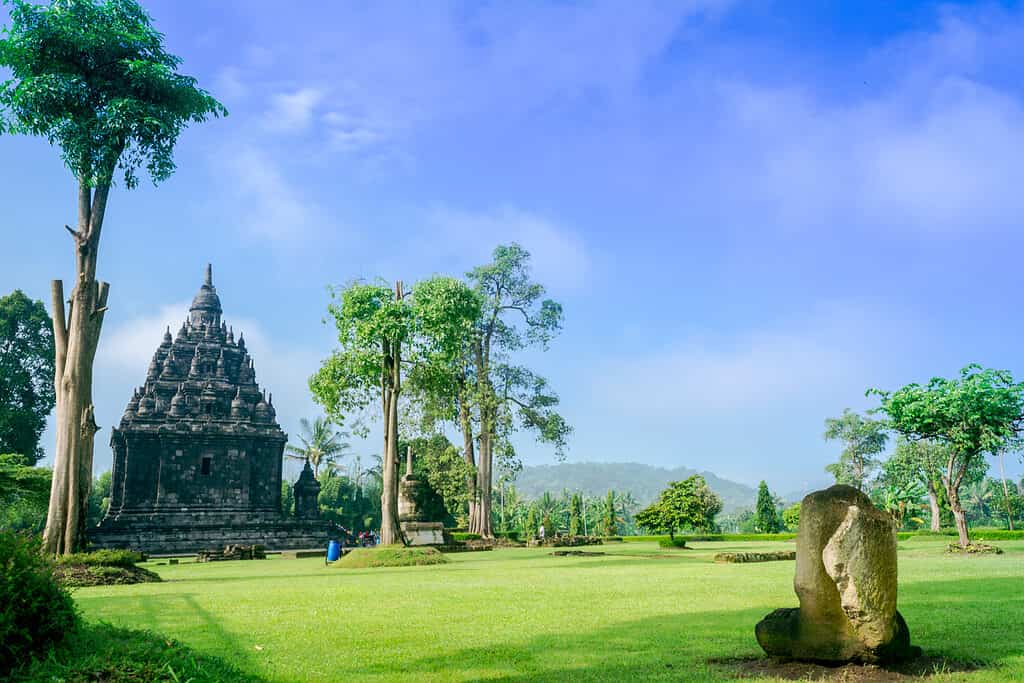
(540, 533)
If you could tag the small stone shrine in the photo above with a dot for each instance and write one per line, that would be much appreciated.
(412, 521)
(846, 583)
(198, 453)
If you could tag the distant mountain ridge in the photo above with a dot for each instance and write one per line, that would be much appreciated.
(645, 482)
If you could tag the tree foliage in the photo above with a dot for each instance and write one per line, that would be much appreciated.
(26, 375)
(863, 439)
(766, 516)
(93, 77)
(686, 504)
(979, 412)
(319, 443)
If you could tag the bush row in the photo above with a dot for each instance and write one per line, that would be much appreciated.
(104, 558)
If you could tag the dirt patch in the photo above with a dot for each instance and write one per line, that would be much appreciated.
(918, 669)
(79, 575)
(575, 553)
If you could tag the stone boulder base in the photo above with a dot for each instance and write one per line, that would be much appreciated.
(846, 583)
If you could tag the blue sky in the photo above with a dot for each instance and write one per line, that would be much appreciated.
(752, 212)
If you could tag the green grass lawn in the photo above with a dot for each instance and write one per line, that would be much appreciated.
(638, 613)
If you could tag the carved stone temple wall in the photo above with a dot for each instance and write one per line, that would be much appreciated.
(198, 453)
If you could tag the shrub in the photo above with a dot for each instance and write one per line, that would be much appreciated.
(974, 549)
(390, 556)
(676, 542)
(612, 539)
(461, 536)
(103, 558)
(35, 610)
(510, 535)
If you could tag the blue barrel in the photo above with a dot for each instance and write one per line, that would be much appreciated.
(333, 551)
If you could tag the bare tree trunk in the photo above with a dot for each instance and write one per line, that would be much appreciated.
(933, 504)
(484, 524)
(76, 335)
(466, 425)
(390, 532)
(954, 476)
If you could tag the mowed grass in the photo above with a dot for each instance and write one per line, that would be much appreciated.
(637, 613)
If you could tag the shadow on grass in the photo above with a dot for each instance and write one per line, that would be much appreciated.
(155, 608)
(101, 652)
(720, 645)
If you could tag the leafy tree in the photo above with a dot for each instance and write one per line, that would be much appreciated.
(549, 510)
(609, 515)
(99, 498)
(384, 335)
(767, 516)
(505, 397)
(920, 461)
(320, 444)
(530, 527)
(93, 78)
(791, 517)
(686, 504)
(24, 493)
(863, 439)
(288, 498)
(441, 465)
(979, 412)
(575, 515)
(26, 375)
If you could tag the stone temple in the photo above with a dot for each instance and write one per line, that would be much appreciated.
(198, 453)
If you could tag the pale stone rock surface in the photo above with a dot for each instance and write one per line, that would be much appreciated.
(846, 584)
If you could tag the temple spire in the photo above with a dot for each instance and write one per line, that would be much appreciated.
(209, 275)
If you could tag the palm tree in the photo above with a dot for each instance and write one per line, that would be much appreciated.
(321, 445)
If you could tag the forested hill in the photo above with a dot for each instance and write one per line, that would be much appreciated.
(645, 482)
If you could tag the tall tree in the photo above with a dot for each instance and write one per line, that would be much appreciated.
(863, 439)
(506, 397)
(384, 336)
(26, 375)
(766, 516)
(320, 444)
(686, 504)
(979, 412)
(92, 77)
(610, 516)
(575, 515)
(919, 461)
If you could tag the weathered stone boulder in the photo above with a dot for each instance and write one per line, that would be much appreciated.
(846, 583)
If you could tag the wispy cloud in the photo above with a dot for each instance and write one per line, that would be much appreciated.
(558, 254)
(292, 112)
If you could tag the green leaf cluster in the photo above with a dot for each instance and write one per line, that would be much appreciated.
(93, 77)
(686, 504)
(26, 375)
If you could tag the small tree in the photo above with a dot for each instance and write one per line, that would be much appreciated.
(320, 444)
(863, 439)
(575, 515)
(26, 375)
(766, 515)
(530, 530)
(791, 517)
(921, 461)
(686, 504)
(609, 516)
(92, 77)
(979, 412)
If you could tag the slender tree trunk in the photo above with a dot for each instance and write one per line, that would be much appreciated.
(484, 524)
(466, 424)
(390, 532)
(933, 504)
(76, 335)
(954, 476)
(1006, 492)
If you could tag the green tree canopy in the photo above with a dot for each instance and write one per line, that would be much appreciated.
(686, 504)
(26, 375)
(863, 439)
(979, 412)
(766, 516)
(319, 443)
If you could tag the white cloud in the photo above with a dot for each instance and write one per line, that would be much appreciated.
(558, 255)
(266, 204)
(292, 111)
(828, 357)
